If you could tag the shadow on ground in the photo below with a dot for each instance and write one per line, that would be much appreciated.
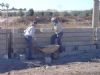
(12, 64)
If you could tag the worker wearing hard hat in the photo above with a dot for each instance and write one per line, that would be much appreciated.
(58, 31)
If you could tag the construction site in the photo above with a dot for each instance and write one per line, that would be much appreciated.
(80, 48)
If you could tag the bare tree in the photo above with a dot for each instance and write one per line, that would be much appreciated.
(2, 5)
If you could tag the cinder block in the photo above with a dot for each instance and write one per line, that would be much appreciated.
(77, 43)
(3, 53)
(78, 30)
(3, 41)
(46, 30)
(3, 31)
(19, 50)
(69, 48)
(78, 34)
(19, 45)
(63, 54)
(76, 39)
(17, 30)
(3, 36)
(98, 46)
(48, 35)
(87, 47)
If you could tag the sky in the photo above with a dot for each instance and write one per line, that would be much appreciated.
(60, 5)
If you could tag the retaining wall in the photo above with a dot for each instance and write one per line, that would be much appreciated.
(74, 40)
(4, 39)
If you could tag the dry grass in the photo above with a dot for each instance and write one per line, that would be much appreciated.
(65, 25)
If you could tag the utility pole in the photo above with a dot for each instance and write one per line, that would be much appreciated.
(95, 20)
(95, 17)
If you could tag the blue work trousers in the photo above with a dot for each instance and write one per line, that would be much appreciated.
(56, 39)
(29, 46)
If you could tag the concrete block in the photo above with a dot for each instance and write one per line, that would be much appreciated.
(69, 48)
(17, 35)
(98, 46)
(4, 31)
(3, 53)
(19, 45)
(3, 36)
(87, 47)
(48, 35)
(17, 30)
(77, 43)
(43, 40)
(46, 30)
(78, 30)
(63, 54)
(98, 30)
(76, 39)
(19, 50)
(3, 41)
(18, 40)
(77, 34)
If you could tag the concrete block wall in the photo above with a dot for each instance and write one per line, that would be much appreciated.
(19, 43)
(78, 38)
(4, 37)
(73, 39)
(98, 37)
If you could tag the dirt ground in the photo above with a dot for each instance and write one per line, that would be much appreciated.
(78, 64)
(75, 68)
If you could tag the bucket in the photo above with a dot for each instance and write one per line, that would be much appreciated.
(48, 59)
(22, 57)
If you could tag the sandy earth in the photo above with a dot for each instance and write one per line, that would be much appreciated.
(77, 68)
(75, 65)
